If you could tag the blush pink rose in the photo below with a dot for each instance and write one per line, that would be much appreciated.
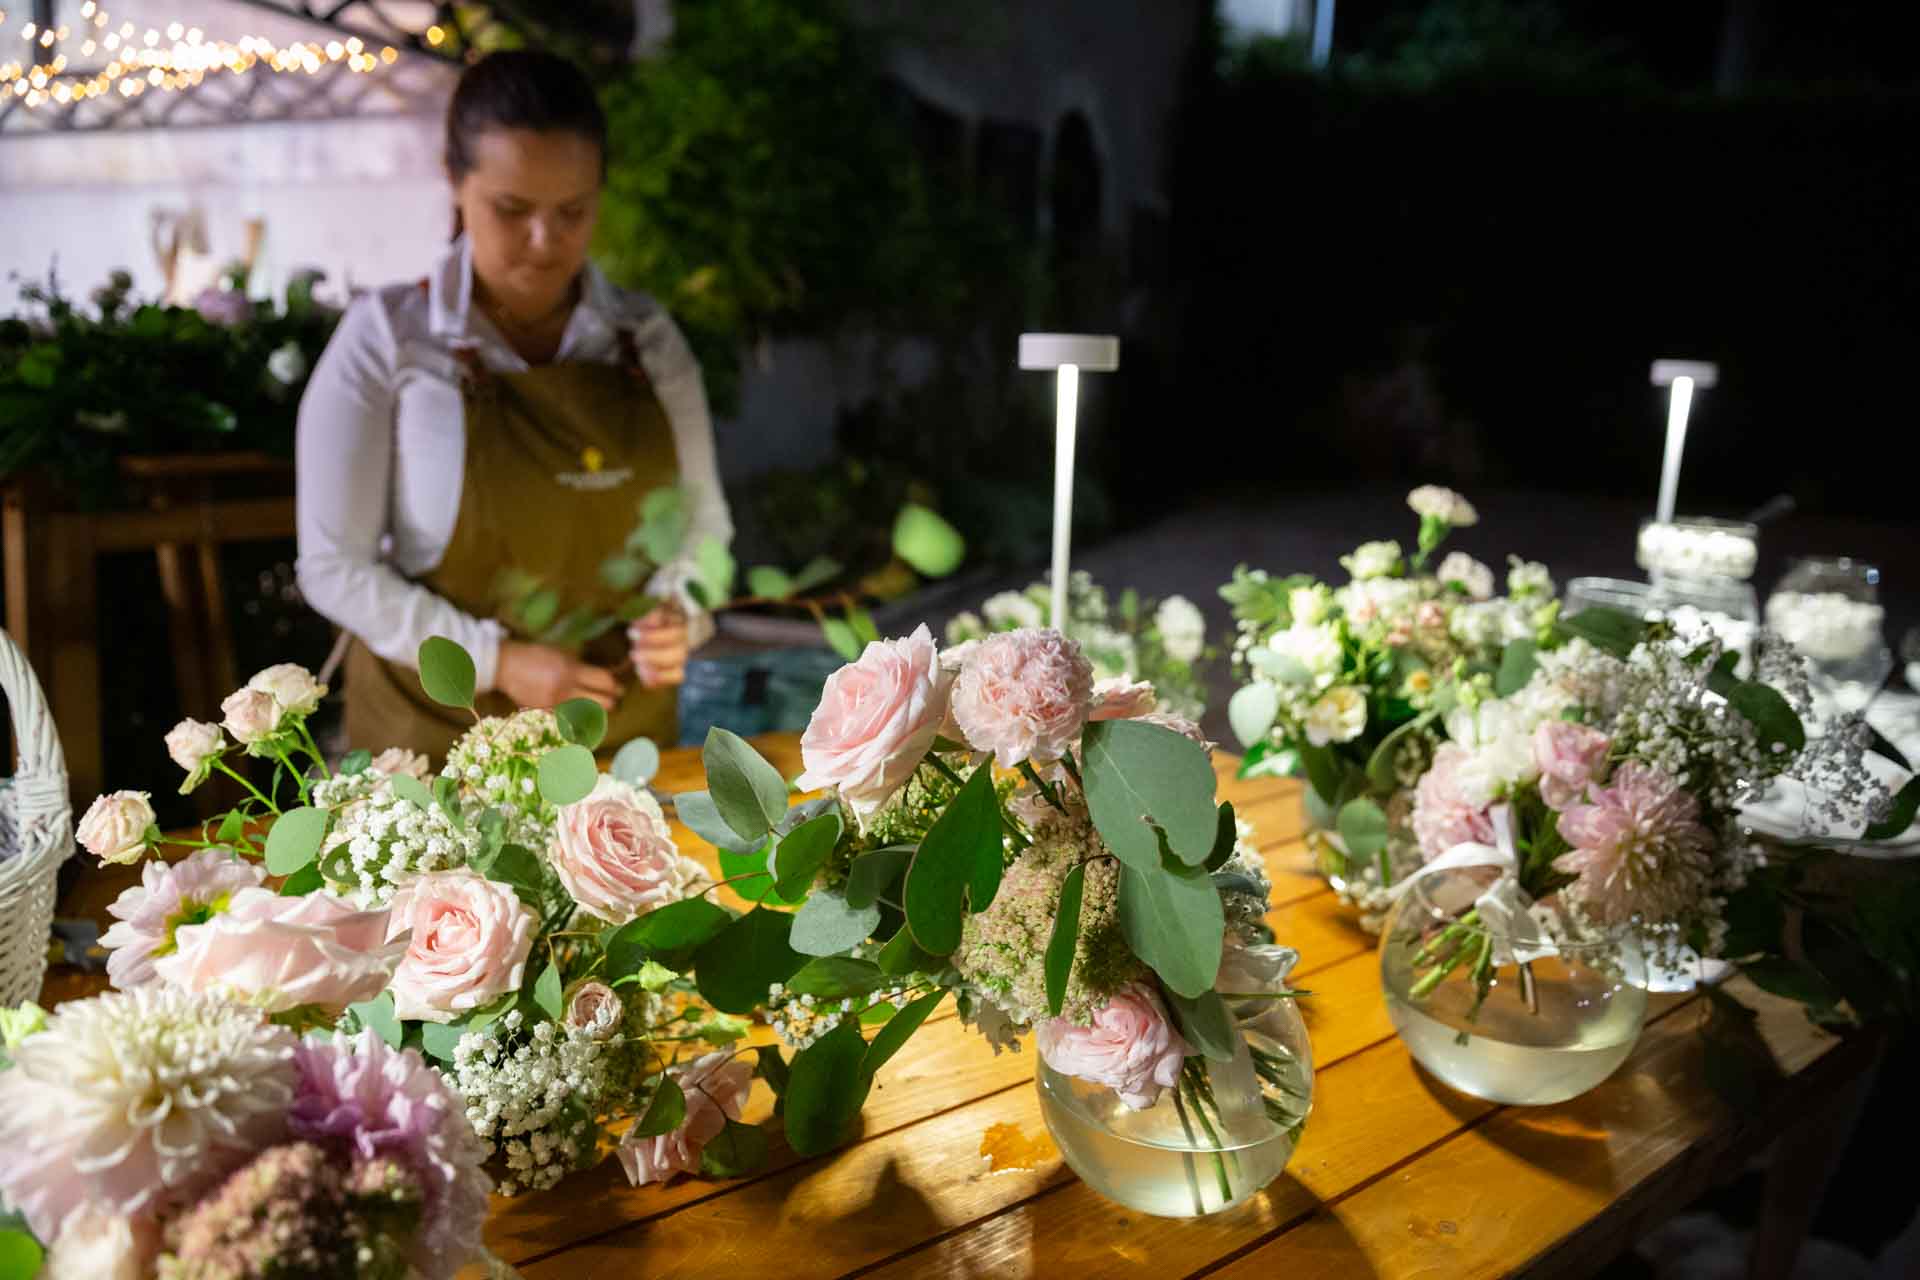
(1570, 756)
(594, 1008)
(615, 853)
(194, 743)
(250, 715)
(716, 1088)
(1131, 1047)
(1122, 699)
(395, 761)
(114, 827)
(876, 720)
(1024, 695)
(471, 939)
(1443, 815)
(278, 953)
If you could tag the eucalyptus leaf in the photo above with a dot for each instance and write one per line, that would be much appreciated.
(1323, 771)
(863, 626)
(538, 610)
(769, 583)
(737, 1150)
(827, 924)
(1609, 630)
(841, 639)
(836, 978)
(1770, 714)
(873, 874)
(1906, 802)
(1518, 662)
(21, 1255)
(446, 793)
(715, 566)
(355, 762)
(567, 775)
(663, 524)
(691, 922)
(622, 572)
(1066, 938)
(295, 839)
(753, 875)
(1140, 777)
(1363, 827)
(411, 789)
(1226, 839)
(377, 1016)
(1173, 921)
(446, 672)
(825, 1089)
(1281, 667)
(698, 812)
(806, 811)
(900, 956)
(927, 542)
(735, 968)
(636, 762)
(582, 721)
(953, 860)
(749, 793)
(304, 881)
(1380, 766)
(1251, 712)
(899, 1029)
(817, 572)
(666, 1110)
(802, 852)
(1206, 1024)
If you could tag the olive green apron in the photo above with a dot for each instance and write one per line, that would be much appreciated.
(557, 460)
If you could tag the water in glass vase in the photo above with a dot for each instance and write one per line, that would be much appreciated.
(1582, 1031)
(1177, 1159)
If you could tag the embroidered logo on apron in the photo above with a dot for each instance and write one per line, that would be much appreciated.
(594, 476)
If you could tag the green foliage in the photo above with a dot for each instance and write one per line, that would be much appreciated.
(825, 1088)
(78, 392)
(1146, 784)
(1066, 937)
(960, 857)
(762, 179)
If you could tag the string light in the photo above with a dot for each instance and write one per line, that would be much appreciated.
(181, 60)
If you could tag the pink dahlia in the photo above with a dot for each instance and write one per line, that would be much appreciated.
(376, 1102)
(1024, 695)
(189, 892)
(1639, 848)
(1444, 815)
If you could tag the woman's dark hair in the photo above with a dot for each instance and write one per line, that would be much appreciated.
(520, 89)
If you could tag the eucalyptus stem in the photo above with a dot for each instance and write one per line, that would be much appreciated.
(313, 749)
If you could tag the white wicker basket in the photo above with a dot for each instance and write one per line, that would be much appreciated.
(36, 831)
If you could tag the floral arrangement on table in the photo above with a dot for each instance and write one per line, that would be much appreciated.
(1602, 780)
(1349, 684)
(78, 390)
(518, 925)
(1001, 828)
(1159, 642)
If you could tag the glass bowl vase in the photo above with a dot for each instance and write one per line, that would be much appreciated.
(1526, 1034)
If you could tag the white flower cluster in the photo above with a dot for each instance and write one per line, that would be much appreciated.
(533, 1097)
(497, 761)
(1669, 721)
(383, 841)
(799, 1020)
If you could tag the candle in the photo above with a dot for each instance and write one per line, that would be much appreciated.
(1067, 354)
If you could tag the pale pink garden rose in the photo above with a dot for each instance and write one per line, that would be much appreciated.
(471, 939)
(1639, 849)
(1119, 698)
(1131, 1046)
(876, 720)
(1024, 695)
(595, 1009)
(1443, 814)
(250, 715)
(278, 953)
(615, 853)
(293, 687)
(114, 827)
(146, 916)
(398, 761)
(716, 1088)
(194, 743)
(1570, 756)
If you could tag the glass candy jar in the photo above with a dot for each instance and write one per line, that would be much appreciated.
(1519, 1020)
(1208, 1143)
(1828, 608)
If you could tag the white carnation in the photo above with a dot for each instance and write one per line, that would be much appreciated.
(1339, 716)
(1528, 579)
(1373, 560)
(1435, 502)
(1475, 578)
(1183, 629)
(1012, 610)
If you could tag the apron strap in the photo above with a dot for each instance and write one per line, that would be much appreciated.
(630, 357)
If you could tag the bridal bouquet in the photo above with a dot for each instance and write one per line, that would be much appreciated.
(1160, 642)
(1609, 783)
(502, 918)
(1000, 829)
(1349, 684)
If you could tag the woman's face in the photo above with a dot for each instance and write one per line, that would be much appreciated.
(529, 205)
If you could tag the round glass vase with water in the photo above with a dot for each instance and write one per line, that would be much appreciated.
(1525, 1034)
(1205, 1145)
(1364, 883)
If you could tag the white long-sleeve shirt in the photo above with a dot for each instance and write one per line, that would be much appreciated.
(381, 451)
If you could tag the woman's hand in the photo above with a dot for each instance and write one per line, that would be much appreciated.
(659, 643)
(538, 675)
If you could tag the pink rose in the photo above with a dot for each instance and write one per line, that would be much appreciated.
(876, 719)
(395, 761)
(1024, 695)
(114, 827)
(194, 743)
(277, 953)
(716, 1088)
(1431, 615)
(471, 939)
(595, 1009)
(1443, 814)
(1570, 756)
(1363, 611)
(615, 853)
(1400, 635)
(1122, 699)
(250, 715)
(1131, 1047)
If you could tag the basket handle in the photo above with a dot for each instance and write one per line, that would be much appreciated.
(43, 765)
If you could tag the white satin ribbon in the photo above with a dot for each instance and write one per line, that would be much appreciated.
(1506, 912)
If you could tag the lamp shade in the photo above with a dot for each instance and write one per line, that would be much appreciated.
(1096, 353)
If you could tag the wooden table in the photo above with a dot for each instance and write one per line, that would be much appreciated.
(1397, 1174)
